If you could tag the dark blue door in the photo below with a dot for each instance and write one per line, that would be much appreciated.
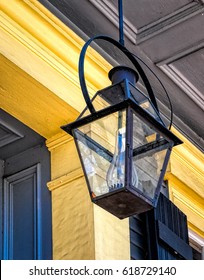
(25, 200)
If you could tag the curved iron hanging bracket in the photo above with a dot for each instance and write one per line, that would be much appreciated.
(129, 56)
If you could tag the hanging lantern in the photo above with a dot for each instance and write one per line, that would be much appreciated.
(123, 144)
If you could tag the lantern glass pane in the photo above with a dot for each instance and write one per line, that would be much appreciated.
(149, 151)
(144, 102)
(105, 98)
(101, 145)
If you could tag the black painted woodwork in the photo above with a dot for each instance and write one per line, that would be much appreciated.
(138, 239)
(160, 234)
(168, 232)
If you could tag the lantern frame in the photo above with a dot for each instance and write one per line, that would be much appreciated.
(142, 202)
(115, 201)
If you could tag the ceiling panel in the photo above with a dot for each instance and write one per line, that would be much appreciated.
(192, 68)
(147, 11)
(175, 40)
(189, 72)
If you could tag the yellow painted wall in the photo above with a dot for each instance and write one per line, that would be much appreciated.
(112, 240)
(39, 85)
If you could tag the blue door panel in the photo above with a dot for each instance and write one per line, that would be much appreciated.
(24, 209)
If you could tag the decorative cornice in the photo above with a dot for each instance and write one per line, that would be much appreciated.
(39, 44)
(188, 151)
(187, 165)
(186, 182)
(188, 204)
(58, 140)
(48, 44)
(188, 201)
(66, 179)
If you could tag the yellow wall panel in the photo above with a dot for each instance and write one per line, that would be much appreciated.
(112, 236)
(73, 233)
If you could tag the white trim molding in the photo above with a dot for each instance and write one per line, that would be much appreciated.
(197, 242)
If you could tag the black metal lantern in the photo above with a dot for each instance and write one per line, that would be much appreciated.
(123, 144)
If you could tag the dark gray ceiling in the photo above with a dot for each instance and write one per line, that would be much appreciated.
(167, 35)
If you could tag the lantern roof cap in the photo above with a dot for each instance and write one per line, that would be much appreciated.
(120, 72)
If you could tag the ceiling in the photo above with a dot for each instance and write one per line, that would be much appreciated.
(167, 35)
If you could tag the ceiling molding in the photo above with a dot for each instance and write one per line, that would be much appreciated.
(186, 172)
(188, 201)
(172, 72)
(184, 84)
(198, 240)
(195, 47)
(58, 140)
(111, 13)
(49, 51)
(164, 23)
